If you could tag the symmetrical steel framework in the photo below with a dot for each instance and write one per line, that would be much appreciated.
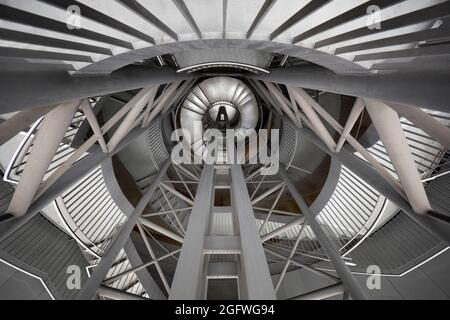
(211, 244)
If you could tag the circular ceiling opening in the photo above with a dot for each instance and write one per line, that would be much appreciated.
(218, 103)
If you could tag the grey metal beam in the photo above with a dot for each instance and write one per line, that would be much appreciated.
(357, 109)
(413, 37)
(20, 121)
(85, 127)
(283, 229)
(437, 50)
(306, 267)
(422, 64)
(69, 178)
(304, 12)
(267, 193)
(168, 233)
(256, 274)
(260, 16)
(115, 294)
(47, 140)
(419, 89)
(153, 256)
(102, 18)
(387, 123)
(147, 15)
(30, 19)
(323, 293)
(21, 64)
(362, 169)
(140, 267)
(46, 55)
(433, 127)
(333, 254)
(188, 16)
(17, 36)
(90, 288)
(188, 282)
(24, 90)
(348, 16)
(144, 276)
(288, 259)
(433, 12)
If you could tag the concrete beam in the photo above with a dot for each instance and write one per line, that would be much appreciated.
(431, 126)
(21, 121)
(256, 278)
(25, 90)
(46, 143)
(94, 283)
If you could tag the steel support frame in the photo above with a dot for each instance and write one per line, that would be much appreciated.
(323, 293)
(93, 284)
(351, 285)
(254, 268)
(46, 143)
(72, 175)
(188, 279)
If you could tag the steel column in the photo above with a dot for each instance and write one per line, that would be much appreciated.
(434, 128)
(254, 266)
(387, 123)
(20, 121)
(188, 279)
(48, 138)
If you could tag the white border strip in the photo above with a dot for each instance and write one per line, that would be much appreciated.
(31, 275)
(218, 64)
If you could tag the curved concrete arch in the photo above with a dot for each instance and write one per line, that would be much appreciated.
(333, 63)
(114, 188)
(328, 188)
